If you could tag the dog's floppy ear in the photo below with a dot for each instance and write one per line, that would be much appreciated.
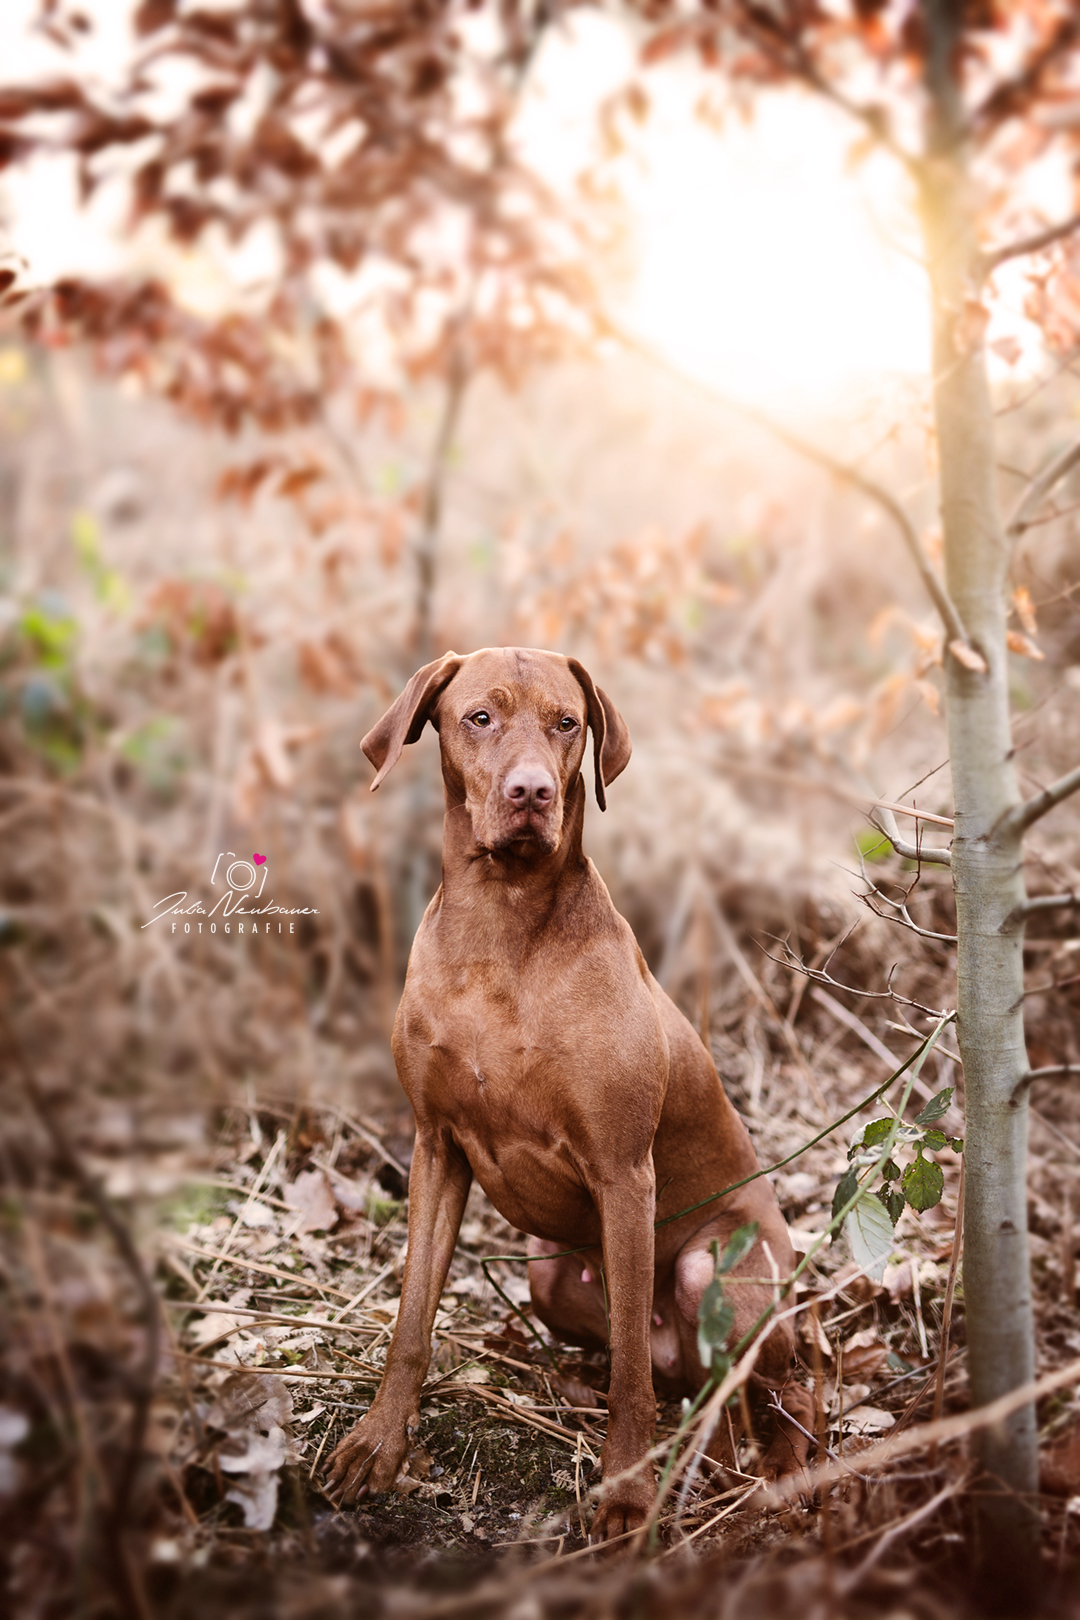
(611, 739)
(407, 716)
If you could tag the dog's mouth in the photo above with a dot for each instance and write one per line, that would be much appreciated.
(528, 829)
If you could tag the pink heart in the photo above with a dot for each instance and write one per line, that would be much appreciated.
(259, 859)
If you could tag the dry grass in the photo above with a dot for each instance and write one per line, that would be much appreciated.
(235, 1101)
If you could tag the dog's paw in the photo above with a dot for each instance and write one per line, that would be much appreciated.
(367, 1460)
(621, 1511)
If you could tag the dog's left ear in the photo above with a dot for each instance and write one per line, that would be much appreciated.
(611, 739)
(407, 716)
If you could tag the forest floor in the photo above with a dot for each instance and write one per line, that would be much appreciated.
(274, 1239)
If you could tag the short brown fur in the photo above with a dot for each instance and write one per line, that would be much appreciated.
(541, 1056)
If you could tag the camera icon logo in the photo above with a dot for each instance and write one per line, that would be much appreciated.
(241, 875)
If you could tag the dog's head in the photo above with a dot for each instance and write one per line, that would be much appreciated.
(511, 724)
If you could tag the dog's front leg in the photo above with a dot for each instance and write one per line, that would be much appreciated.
(627, 1210)
(369, 1457)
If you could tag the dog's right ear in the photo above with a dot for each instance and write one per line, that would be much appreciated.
(407, 716)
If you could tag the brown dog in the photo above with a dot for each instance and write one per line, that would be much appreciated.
(540, 1055)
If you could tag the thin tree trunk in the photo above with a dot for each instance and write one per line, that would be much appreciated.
(423, 798)
(986, 864)
(427, 539)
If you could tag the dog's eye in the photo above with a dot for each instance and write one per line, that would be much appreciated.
(567, 723)
(480, 718)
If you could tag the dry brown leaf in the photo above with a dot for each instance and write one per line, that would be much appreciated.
(574, 1391)
(864, 1360)
(811, 1329)
(968, 656)
(1008, 348)
(885, 710)
(1025, 608)
(969, 328)
(311, 1193)
(1018, 643)
(1060, 1470)
(869, 1419)
(271, 755)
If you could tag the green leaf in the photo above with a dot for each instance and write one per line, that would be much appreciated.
(740, 1242)
(935, 1107)
(956, 1143)
(872, 845)
(890, 1170)
(869, 1230)
(923, 1183)
(934, 1140)
(894, 1203)
(716, 1318)
(50, 629)
(876, 1132)
(845, 1191)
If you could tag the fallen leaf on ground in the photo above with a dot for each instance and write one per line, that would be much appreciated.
(311, 1193)
(1059, 1473)
(869, 1419)
(574, 1391)
(864, 1355)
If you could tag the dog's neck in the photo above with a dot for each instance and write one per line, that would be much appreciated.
(522, 880)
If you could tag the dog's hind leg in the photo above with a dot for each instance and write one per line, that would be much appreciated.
(568, 1293)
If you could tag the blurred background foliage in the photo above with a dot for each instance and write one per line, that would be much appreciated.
(233, 520)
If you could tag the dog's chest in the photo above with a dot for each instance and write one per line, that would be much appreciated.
(490, 1037)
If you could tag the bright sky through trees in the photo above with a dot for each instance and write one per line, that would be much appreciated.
(761, 259)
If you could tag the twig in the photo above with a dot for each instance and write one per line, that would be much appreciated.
(252, 1197)
(992, 257)
(760, 994)
(243, 1263)
(946, 1312)
(140, 1382)
(1024, 511)
(1052, 1071)
(801, 783)
(916, 1295)
(1016, 823)
(330, 1377)
(710, 1524)
(372, 1141)
(944, 1430)
(1038, 902)
(850, 1581)
(911, 852)
(322, 1443)
(935, 586)
(868, 1038)
(822, 976)
(568, 1436)
(903, 919)
(368, 1287)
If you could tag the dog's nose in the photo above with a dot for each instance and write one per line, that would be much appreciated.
(528, 787)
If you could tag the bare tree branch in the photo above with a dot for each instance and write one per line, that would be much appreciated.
(1040, 902)
(1028, 244)
(911, 852)
(1051, 1072)
(808, 784)
(784, 48)
(795, 964)
(1012, 94)
(1027, 506)
(903, 917)
(1017, 822)
(426, 545)
(935, 585)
